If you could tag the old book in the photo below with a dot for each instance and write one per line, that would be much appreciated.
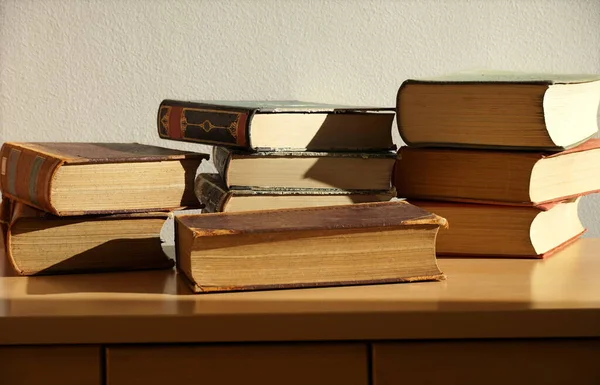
(315, 170)
(98, 178)
(39, 243)
(479, 230)
(214, 195)
(277, 125)
(499, 110)
(308, 247)
(498, 177)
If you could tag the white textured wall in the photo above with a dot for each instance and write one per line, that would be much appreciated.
(97, 70)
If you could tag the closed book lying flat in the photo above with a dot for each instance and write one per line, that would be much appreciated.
(214, 195)
(478, 230)
(39, 243)
(498, 177)
(98, 178)
(277, 125)
(307, 170)
(499, 110)
(355, 244)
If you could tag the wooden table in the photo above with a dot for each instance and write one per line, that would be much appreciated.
(493, 321)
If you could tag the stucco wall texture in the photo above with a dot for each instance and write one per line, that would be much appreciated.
(96, 70)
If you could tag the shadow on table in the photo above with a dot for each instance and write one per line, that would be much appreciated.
(147, 282)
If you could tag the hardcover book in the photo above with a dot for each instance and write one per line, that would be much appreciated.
(214, 195)
(354, 244)
(304, 170)
(39, 243)
(277, 125)
(98, 178)
(498, 177)
(478, 230)
(499, 110)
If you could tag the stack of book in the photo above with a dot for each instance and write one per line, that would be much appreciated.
(286, 154)
(504, 157)
(91, 207)
(302, 197)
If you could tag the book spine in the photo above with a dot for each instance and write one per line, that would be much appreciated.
(221, 157)
(201, 123)
(6, 208)
(26, 176)
(399, 121)
(9, 214)
(210, 194)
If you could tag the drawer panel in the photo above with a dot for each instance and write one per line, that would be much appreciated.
(50, 365)
(489, 362)
(266, 364)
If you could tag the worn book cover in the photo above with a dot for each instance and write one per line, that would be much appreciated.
(29, 170)
(232, 124)
(362, 243)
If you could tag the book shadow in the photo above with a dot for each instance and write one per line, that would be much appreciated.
(121, 254)
(334, 125)
(188, 198)
(155, 281)
(117, 266)
(321, 171)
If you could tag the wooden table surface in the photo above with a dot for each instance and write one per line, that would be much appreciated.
(481, 298)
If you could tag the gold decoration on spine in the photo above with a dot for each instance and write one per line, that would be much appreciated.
(183, 124)
(208, 126)
(164, 121)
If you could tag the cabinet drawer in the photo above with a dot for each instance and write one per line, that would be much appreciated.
(275, 364)
(489, 362)
(50, 365)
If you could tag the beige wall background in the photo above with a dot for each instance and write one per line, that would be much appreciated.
(96, 70)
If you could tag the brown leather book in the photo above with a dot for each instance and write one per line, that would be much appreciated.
(497, 177)
(98, 178)
(215, 196)
(481, 230)
(271, 125)
(363, 243)
(39, 243)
